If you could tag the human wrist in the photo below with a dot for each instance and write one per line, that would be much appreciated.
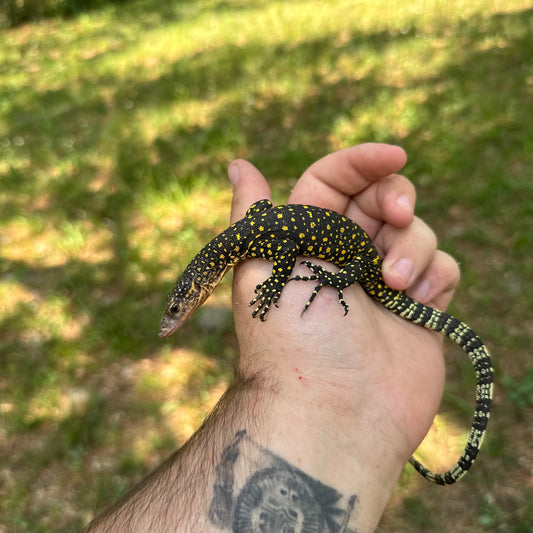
(346, 451)
(253, 448)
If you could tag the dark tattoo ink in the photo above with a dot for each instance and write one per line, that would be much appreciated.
(275, 498)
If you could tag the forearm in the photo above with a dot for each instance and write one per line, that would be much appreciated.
(176, 497)
(256, 446)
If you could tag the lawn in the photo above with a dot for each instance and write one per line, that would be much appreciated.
(116, 128)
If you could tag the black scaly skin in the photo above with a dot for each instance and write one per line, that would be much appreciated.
(283, 233)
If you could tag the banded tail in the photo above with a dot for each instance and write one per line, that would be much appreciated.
(461, 334)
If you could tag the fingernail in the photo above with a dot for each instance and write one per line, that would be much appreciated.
(233, 173)
(420, 290)
(404, 202)
(403, 269)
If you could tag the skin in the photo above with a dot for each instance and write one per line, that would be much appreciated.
(361, 183)
(346, 399)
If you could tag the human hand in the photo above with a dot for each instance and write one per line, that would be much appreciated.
(335, 403)
(370, 368)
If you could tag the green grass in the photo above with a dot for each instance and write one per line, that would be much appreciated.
(116, 128)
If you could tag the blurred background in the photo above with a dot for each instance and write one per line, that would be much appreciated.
(117, 123)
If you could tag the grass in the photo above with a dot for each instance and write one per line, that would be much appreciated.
(116, 127)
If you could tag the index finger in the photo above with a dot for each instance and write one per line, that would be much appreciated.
(333, 180)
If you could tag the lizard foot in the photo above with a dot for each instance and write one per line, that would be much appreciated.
(325, 279)
(267, 293)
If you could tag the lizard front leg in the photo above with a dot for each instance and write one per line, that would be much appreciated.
(283, 252)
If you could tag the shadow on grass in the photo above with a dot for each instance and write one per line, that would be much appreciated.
(472, 122)
(13, 13)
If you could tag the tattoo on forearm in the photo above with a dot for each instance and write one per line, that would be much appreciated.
(272, 496)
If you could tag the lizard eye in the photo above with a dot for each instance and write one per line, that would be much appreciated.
(174, 309)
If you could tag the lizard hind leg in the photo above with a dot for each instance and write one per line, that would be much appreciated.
(325, 278)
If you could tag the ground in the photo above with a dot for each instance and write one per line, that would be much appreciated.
(116, 127)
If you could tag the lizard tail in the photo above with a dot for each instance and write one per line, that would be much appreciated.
(477, 352)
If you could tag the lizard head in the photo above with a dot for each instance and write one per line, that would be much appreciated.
(182, 301)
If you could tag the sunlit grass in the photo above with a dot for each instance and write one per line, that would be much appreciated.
(116, 128)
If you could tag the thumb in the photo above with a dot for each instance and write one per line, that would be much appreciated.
(249, 186)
